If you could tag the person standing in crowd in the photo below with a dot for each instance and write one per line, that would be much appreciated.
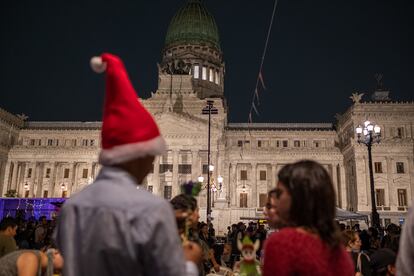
(392, 237)
(352, 244)
(31, 263)
(8, 228)
(113, 226)
(40, 233)
(405, 261)
(309, 242)
(383, 263)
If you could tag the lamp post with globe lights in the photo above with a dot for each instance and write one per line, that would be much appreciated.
(209, 110)
(369, 134)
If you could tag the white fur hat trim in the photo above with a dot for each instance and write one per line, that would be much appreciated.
(98, 65)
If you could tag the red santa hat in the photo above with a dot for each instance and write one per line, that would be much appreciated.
(128, 129)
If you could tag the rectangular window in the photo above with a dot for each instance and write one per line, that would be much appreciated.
(150, 188)
(400, 132)
(74, 142)
(45, 194)
(217, 78)
(296, 144)
(240, 143)
(92, 143)
(259, 144)
(166, 168)
(400, 167)
(247, 142)
(243, 200)
(29, 173)
(49, 142)
(243, 175)
(167, 192)
(262, 200)
(85, 173)
(204, 73)
(262, 175)
(380, 197)
(285, 143)
(205, 169)
(196, 71)
(278, 143)
(85, 142)
(211, 75)
(184, 169)
(57, 142)
(316, 144)
(47, 173)
(378, 167)
(39, 142)
(26, 193)
(402, 197)
(66, 173)
(32, 142)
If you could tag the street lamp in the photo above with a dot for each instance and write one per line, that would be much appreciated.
(209, 110)
(367, 135)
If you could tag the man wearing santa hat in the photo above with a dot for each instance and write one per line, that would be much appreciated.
(111, 227)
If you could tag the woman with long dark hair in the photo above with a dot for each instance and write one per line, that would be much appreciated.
(309, 241)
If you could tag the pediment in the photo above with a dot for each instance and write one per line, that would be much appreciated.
(401, 180)
(171, 124)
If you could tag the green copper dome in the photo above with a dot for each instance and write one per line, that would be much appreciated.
(193, 24)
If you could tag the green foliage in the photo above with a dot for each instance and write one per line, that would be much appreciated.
(11, 193)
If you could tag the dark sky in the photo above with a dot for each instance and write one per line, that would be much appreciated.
(320, 52)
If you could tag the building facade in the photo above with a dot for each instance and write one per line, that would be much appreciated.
(58, 159)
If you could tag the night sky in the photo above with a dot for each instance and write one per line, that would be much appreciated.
(320, 51)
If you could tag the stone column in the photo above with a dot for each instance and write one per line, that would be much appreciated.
(175, 185)
(18, 172)
(156, 178)
(254, 185)
(73, 183)
(195, 165)
(40, 174)
(273, 178)
(34, 187)
(335, 182)
(233, 183)
(344, 191)
(14, 176)
(53, 179)
(411, 176)
(389, 161)
(21, 177)
(4, 184)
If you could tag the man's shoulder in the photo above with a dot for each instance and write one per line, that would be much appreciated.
(131, 200)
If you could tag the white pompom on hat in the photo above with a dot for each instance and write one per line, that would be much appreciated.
(98, 65)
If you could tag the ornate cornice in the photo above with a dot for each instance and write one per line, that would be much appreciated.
(10, 118)
(281, 126)
(45, 125)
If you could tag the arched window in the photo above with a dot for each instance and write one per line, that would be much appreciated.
(196, 71)
(211, 75)
(217, 77)
(204, 73)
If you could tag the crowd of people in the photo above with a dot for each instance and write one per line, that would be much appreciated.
(115, 227)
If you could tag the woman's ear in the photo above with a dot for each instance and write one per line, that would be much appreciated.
(391, 269)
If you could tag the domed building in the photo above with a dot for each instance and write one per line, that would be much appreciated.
(58, 159)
